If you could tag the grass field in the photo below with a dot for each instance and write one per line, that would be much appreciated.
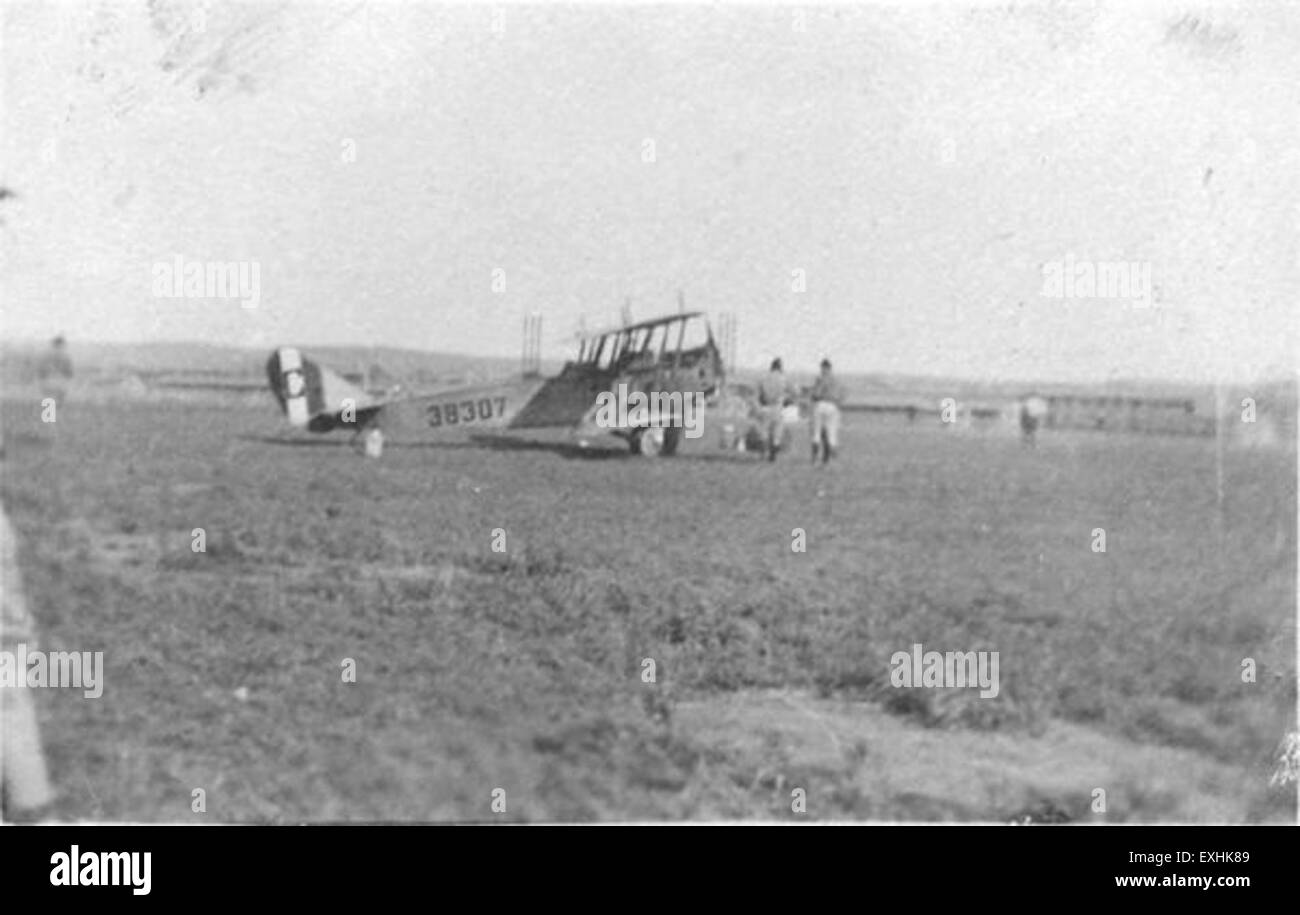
(522, 671)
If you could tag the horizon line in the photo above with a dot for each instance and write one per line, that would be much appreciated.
(1283, 377)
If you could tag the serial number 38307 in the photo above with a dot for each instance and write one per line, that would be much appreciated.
(467, 411)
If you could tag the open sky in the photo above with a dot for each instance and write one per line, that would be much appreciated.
(384, 163)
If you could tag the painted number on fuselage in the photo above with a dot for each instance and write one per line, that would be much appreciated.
(466, 411)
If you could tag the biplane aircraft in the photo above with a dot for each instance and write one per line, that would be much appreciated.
(675, 354)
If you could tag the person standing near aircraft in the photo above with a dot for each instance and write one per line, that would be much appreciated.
(827, 398)
(773, 392)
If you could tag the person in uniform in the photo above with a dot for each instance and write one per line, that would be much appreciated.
(55, 370)
(827, 398)
(773, 393)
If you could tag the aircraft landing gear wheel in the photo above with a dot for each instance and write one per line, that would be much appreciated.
(648, 442)
(373, 440)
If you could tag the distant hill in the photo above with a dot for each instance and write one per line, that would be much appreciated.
(113, 361)
(116, 362)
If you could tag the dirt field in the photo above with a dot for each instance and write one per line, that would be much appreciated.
(522, 671)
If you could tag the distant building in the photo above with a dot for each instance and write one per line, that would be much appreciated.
(1126, 414)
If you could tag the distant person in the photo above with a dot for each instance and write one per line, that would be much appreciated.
(773, 395)
(1032, 410)
(827, 398)
(55, 370)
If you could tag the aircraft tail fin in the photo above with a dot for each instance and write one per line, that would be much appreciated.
(309, 394)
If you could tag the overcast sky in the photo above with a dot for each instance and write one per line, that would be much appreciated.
(919, 166)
